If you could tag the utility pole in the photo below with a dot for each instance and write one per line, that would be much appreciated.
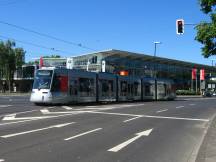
(155, 71)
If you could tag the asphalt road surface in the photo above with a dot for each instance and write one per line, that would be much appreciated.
(163, 131)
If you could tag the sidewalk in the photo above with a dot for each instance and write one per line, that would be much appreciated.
(15, 94)
(189, 96)
(207, 152)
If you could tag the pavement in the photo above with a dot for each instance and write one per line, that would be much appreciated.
(165, 131)
(207, 151)
(15, 94)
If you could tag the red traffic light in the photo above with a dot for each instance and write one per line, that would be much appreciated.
(180, 26)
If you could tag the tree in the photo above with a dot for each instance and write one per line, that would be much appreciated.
(52, 56)
(10, 59)
(206, 31)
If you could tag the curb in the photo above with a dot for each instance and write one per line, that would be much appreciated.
(205, 153)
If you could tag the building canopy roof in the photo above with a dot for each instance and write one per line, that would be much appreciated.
(144, 57)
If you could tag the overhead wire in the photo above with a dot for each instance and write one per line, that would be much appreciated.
(47, 36)
(36, 45)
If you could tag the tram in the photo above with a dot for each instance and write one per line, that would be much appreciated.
(63, 86)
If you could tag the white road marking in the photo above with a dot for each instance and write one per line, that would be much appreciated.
(192, 104)
(161, 111)
(91, 106)
(37, 130)
(52, 107)
(176, 118)
(124, 144)
(132, 119)
(178, 107)
(15, 122)
(49, 117)
(108, 113)
(149, 116)
(46, 112)
(4, 106)
(1, 160)
(67, 107)
(82, 134)
(12, 117)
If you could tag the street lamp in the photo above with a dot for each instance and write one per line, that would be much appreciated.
(155, 47)
(155, 73)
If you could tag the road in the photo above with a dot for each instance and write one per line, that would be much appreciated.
(163, 131)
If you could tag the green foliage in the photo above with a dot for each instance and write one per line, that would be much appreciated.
(10, 59)
(207, 6)
(52, 56)
(32, 63)
(206, 31)
(186, 92)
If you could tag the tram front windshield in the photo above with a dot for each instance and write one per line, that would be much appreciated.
(43, 79)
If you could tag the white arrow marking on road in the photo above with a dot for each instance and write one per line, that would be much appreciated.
(124, 144)
(13, 117)
(82, 134)
(37, 130)
(67, 107)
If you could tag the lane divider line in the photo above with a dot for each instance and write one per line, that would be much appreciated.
(132, 119)
(67, 107)
(161, 111)
(150, 116)
(192, 104)
(178, 107)
(82, 134)
(4, 106)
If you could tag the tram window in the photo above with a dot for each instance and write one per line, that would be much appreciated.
(42, 79)
(148, 90)
(123, 86)
(165, 89)
(86, 87)
(136, 86)
(106, 87)
(60, 83)
(161, 89)
(73, 87)
(56, 84)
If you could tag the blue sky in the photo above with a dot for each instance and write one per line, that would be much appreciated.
(130, 25)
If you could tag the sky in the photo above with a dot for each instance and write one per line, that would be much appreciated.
(128, 25)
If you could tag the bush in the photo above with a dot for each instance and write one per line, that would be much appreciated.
(186, 92)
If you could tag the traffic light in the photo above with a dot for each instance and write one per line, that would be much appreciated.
(180, 26)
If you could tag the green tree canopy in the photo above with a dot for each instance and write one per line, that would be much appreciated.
(206, 31)
(10, 59)
(52, 56)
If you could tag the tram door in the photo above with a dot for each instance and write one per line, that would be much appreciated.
(130, 90)
(73, 89)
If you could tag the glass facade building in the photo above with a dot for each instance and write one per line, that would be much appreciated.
(142, 65)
